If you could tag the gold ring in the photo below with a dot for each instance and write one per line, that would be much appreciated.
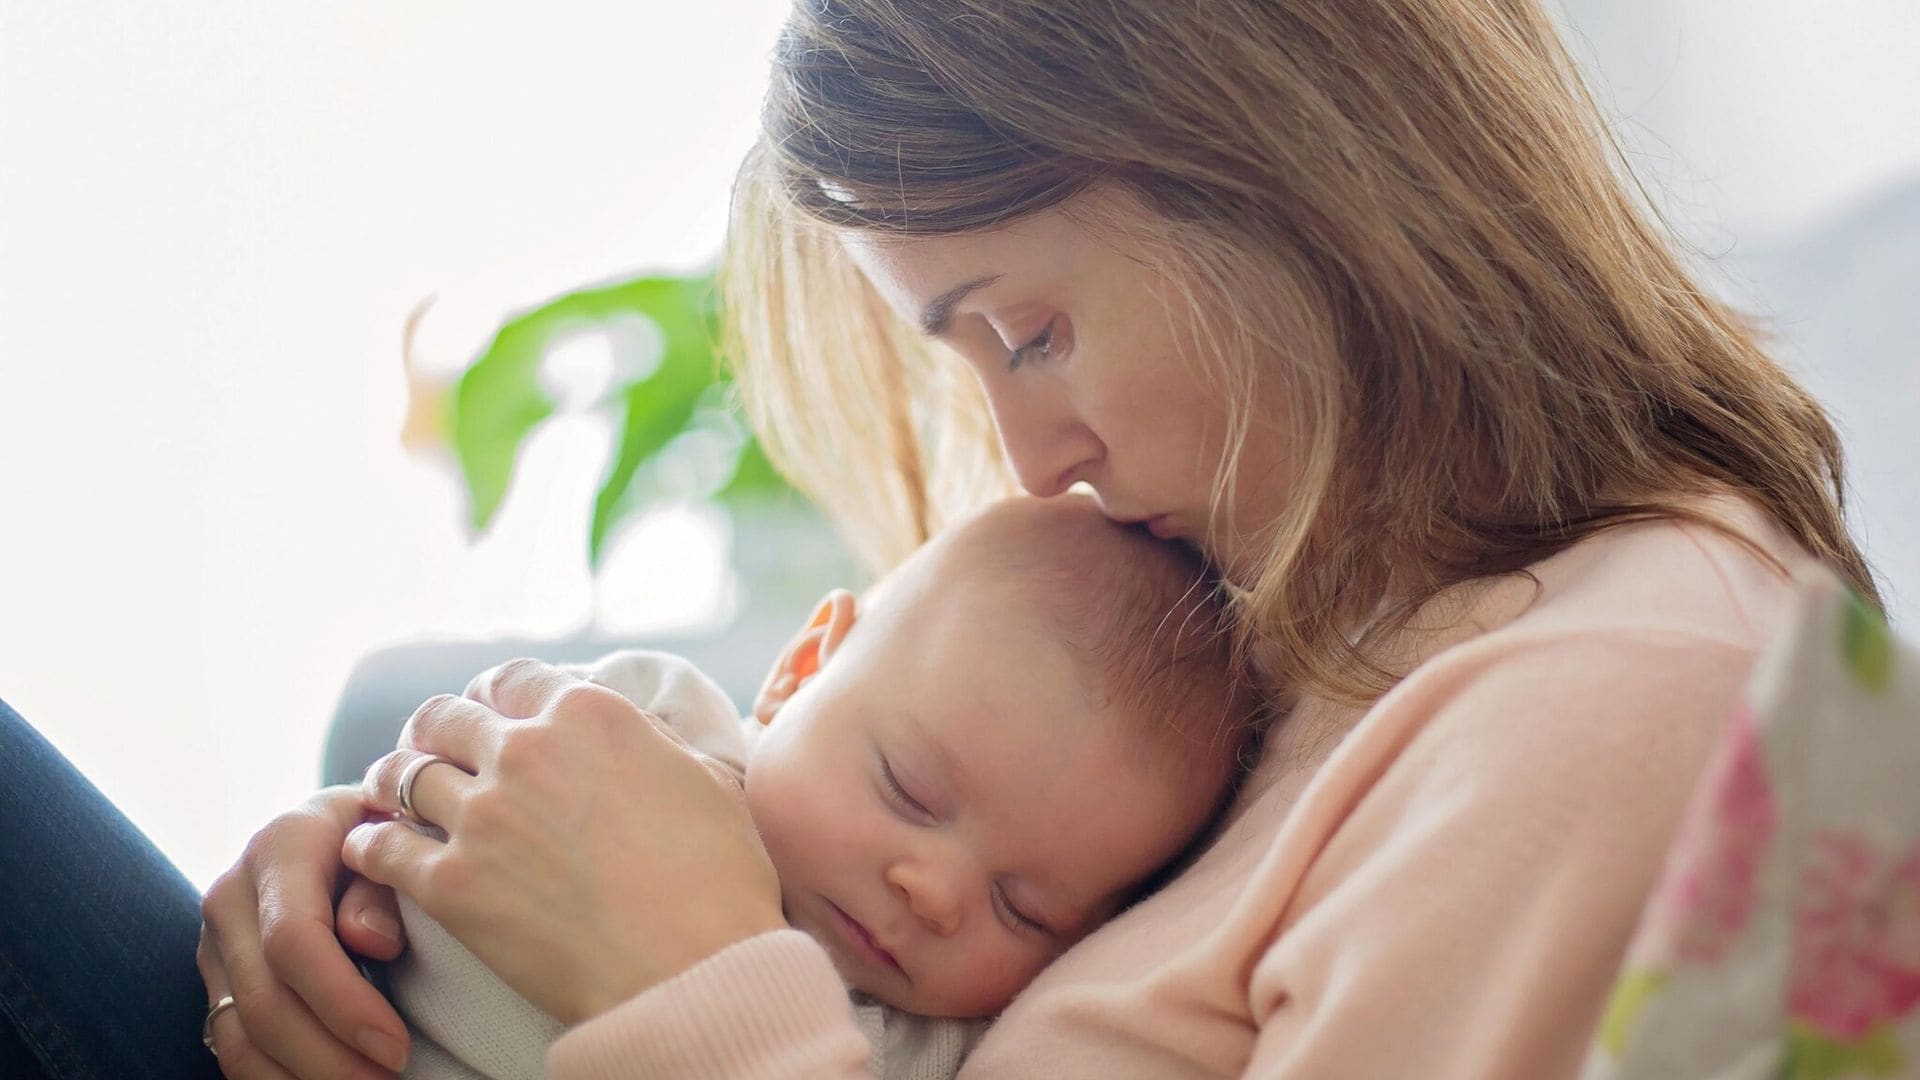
(407, 776)
(206, 1026)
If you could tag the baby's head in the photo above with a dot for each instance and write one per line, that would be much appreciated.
(1025, 721)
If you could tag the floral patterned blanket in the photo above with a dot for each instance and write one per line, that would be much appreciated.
(1784, 938)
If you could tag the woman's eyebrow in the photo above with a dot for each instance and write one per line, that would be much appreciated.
(938, 316)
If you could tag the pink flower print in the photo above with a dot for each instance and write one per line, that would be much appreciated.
(1856, 937)
(1708, 893)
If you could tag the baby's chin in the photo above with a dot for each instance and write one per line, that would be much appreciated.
(931, 1001)
(920, 1001)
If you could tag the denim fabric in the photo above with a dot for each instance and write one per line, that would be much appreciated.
(97, 930)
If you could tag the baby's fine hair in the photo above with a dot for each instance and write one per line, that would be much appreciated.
(1151, 621)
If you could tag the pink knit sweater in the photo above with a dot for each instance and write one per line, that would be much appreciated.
(1441, 886)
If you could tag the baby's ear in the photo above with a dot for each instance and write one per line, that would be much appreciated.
(806, 654)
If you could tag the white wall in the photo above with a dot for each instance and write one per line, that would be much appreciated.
(1758, 117)
(1783, 139)
(214, 218)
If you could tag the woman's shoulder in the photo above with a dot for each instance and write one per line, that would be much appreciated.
(1663, 593)
(1637, 635)
(1723, 576)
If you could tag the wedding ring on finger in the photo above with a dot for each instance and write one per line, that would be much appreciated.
(206, 1026)
(407, 777)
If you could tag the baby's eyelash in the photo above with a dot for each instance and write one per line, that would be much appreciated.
(1025, 922)
(900, 793)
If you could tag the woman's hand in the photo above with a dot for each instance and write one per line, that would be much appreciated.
(301, 1007)
(588, 856)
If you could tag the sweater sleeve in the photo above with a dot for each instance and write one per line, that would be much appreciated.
(769, 1007)
(1470, 912)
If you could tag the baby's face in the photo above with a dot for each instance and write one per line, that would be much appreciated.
(946, 808)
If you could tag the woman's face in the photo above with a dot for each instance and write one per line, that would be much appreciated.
(1083, 348)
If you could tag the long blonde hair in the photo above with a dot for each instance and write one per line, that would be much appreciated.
(1493, 349)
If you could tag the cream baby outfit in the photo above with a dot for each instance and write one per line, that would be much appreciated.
(468, 1025)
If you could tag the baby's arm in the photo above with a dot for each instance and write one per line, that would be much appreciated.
(679, 695)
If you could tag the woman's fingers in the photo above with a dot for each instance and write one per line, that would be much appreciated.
(520, 689)
(394, 854)
(456, 728)
(367, 920)
(267, 939)
(298, 941)
(269, 1032)
(438, 788)
(559, 842)
(239, 1058)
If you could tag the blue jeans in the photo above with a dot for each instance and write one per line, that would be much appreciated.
(97, 931)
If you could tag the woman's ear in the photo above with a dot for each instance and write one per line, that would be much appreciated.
(806, 654)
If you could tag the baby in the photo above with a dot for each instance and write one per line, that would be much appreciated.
(955, 781)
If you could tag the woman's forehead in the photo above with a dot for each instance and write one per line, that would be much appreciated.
(920, 268)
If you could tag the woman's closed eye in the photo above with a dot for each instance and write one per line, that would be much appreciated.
(1040, 348)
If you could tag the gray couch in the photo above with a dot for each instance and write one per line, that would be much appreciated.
(386, 685)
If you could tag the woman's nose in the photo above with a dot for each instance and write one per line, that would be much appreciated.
(1045, 441)
(932, 896)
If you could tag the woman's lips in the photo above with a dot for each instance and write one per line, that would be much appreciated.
(862, 941)
(1160, 525)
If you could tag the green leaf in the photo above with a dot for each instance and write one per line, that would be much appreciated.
(754, 476)
(498, 401)
(655, 411)
(657, 408)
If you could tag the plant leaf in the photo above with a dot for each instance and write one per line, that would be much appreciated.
(753, 476)
(498, 401)
(657, 408)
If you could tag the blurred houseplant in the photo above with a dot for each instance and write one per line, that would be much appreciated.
(680, 435)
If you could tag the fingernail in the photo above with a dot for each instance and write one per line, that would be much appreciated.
(382, 1048)
(378, 923)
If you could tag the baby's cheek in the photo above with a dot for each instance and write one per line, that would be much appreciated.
(794, 812)
(769, 801)
(995, 976)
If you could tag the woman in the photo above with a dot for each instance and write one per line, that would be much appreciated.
(1348, 296)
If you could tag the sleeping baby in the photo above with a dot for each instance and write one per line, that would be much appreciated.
(955, 779)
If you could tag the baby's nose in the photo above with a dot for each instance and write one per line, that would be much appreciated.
(932, 896)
